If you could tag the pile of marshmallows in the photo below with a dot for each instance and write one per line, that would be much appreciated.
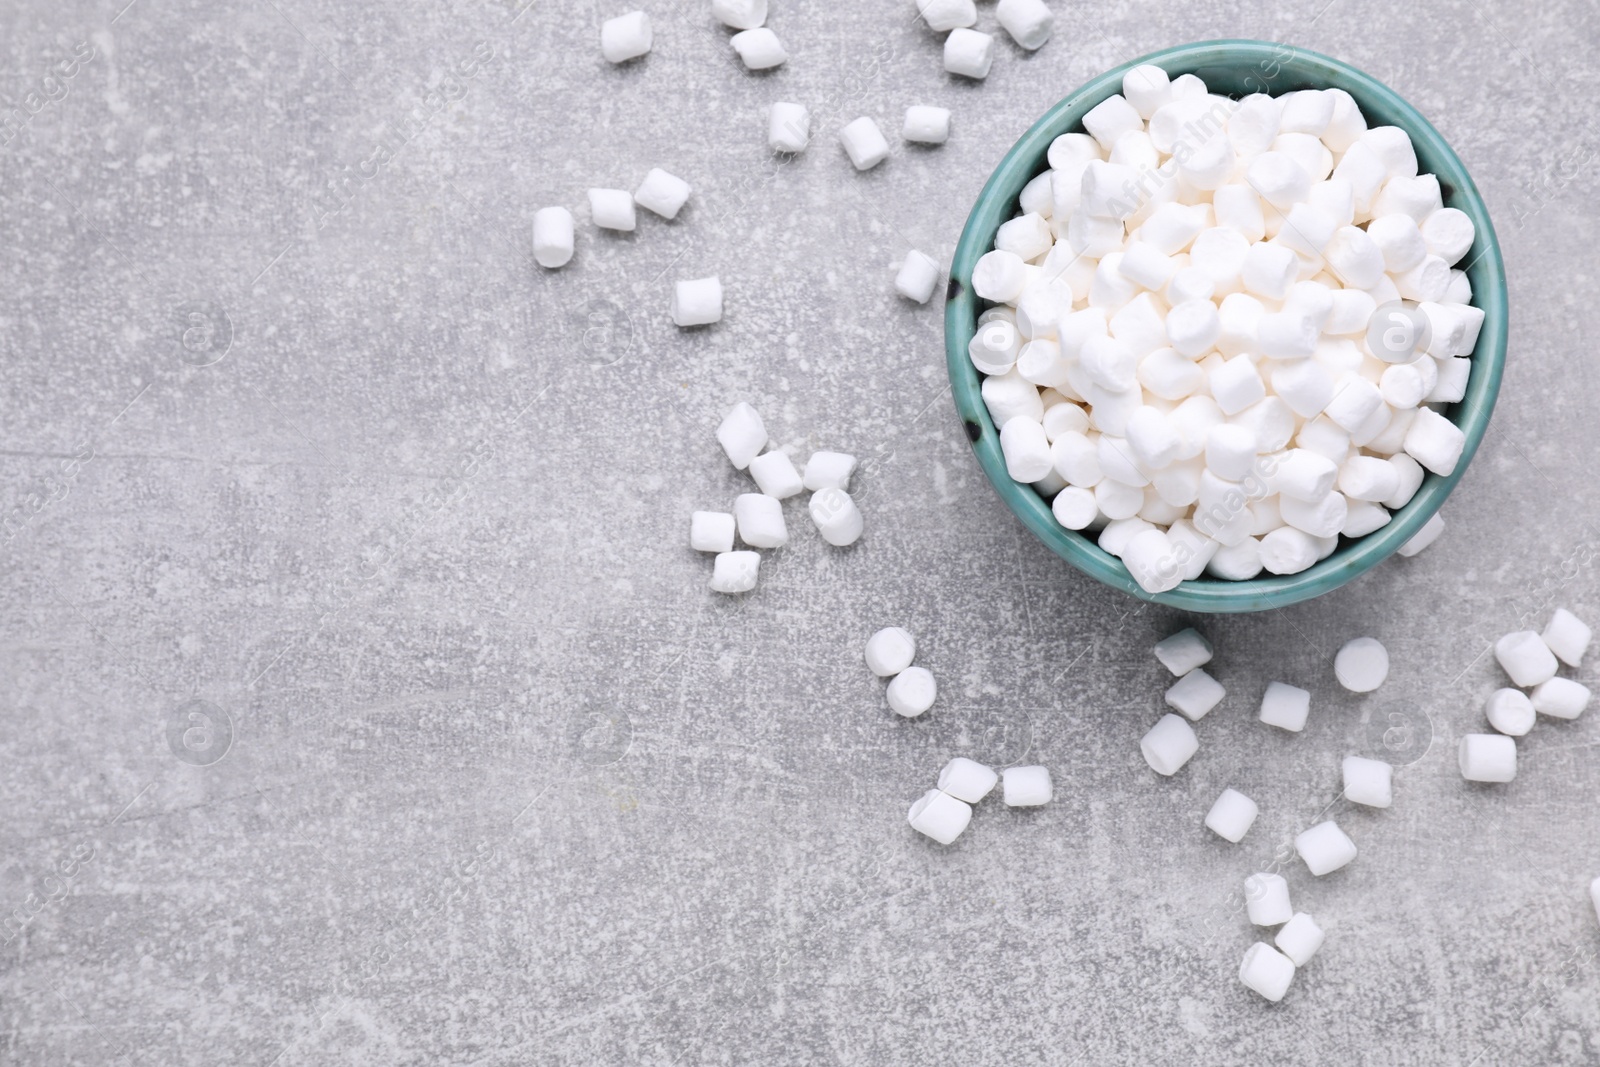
(758, 517)
(1530, 659)
(1224, 331)
(944, 811)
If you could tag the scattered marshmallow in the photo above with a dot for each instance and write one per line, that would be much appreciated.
(1029, 22)
(1510, 711)
(1488, 758)
(836, 517)
(735, 572)
(740, 14)
(864, 143)
(917, 277)
(1232, 815)
(828, 470)
(742, 434)
(969, 53)
(942, 15)
(926, 125)
(1168, 745)
(1266, 971)
(1368, 782)
(789, 127)
(1183, 652)
(1424, 537)
(1025, 787)
(967, 780)
(1526, 658)
(760, 520)
(1325, 847)
(1285, 706)
(1195, 694)
(775, 475)
(697, 302)
(625, 37)
(1267, 899)
(939, 816)
(1560, 698)
(1299, 939)
(663, 193)
(890, 651)
(759, 48)
(552, 237)
(1567, 636)
(711, 531)
(1361, 665)
(911, 692)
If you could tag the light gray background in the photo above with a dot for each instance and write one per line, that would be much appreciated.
(506, 783)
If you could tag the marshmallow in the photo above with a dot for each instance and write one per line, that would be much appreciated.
(1238, 562)
(1027, 236)
(759, 48)
(1304, 475)
(1403, 384)
(1255, 122)
(1368, 782)
(1268, 270)
(1077, 459)
(1109, 189)
(742, 435)
(1435, 442)
(1239, 207)
(999, 276)
(760, 519)
(917, 277)
(967, 780)
(1026, 449)
(1286, 335)
(1038, 196)
(1304, 386)
(1368, 478)
(789, 127)
(1424, 537)
(1110, 119)
(995, 348)
(1209, 165)
(1285, 706)
(1349, 312)
(1236, 384)
(1450, 385)
(1399, 241)
(927, 125)
(661, 193)
(1230, 452)
(1307, 111)
(1428, 280)
(1560, 698)
(1222, 254)
(1312, 155)
(625, 37)
(1091, 236)
(612, 209)
(735, 572)
(836, 517)
(1345, 125)
(1510, 711)
(1287, 550)
(1183, 652)
(1171, 228)
(740, 14)
(912, 692)
(697, 302)
(1151, 439)
(1195, 694)
(1168, 375)
(775, 475)
(1231, 816)
(1042, 364)
(1487, 758)
(1567, 636)
(1073, 149)
(939, 816)
(863, 142)
(1025, 787)
(1168, 745)
(552, 237)
(1307, 231)
(1417, 197)
(711, 531)
(1361, 665)
(1324, 848)
(1119, 533)
(1366, 173)
(1266, 971)
(1300, 937)
(1279, 179)
(1146, 87)
(1323, 517)
(1109, 362)
(1267, 899)
(1027, 21)
(1393, 146)
(890, 651)
(1074, 507)
(968, 53)
(1119, 463)
(1411, 476)
(1193, 326)
(1335, 198)
(1146, 266)
(1355, 258)
(1064, 418)
(942, 15)
(1354, 401)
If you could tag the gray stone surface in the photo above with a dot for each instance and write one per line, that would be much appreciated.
(489, 776)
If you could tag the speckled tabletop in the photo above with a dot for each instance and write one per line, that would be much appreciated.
(364, 704)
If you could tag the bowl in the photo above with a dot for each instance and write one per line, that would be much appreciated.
(1235, 68)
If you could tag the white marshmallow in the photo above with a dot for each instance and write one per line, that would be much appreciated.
(1279, 179)
(890, 651)
(1074, 507)
(1093, 237)
(711, 531)
(1286, 335)
(995, 347)
(1435, 442)
(863, 142)
(1037, 196)
(1151, 439)
(1193, 327)
(942, 15)
(1355, 258)
(1168, 745)
(625, 37)
(775, 475)
(967, 780)
(1285, 706)
(1172, 227)
(742, 435)
(1025, 787)
(1195, 694)
(1304, 475)
(1304, 386)
(1222, 254)
(999, 276)
(1368, 782)
(735, 572)
(1026, 236)
(1239, 207)
(789, 127)
(1307, 231)
(1268, 270)
(1451, 384)
(1073, 149)
(612, 209)
(1324, 848)
(1354, 401)
(912, 692)
(1267, 899)
(1307, 111)
(1312, 155)
(1118, 534)
(1349, 312)
(1143, 264)
(1403, 384)
(1560, 698)
(1399, 241)
(1393, 146)
(1236, 563)
(1029, 22)
(1166, 374)
(1417, 197)
(1567, 636)
(1320, 518)
(1110, 189)
(1424, 537)
(1183, 651)
(1230, 452)
(1487, 758)
(1363, 518)
(1119, 463)
(740, 14)
(928, 125)
(697, 302)
(552, 237)
(1510, 711)
(1146, 87)
(1110, 119)
(940, 816)
(968, 53)
(1042, 364)
(1109, 362)
(1287, 550)
(1428, 280)
(1208, 165)
(1368, 478)
(759, 48)
(1335, 198)
(760, 519)
(1255, 122)
(917, 277)
(836, 517)
(1365, 171)
(1266, 971)
(1411, 476)
(1236, 384)
(1064, 418)
(1026, 449)
(1077, 459)
(1231, 815)
(1300, 937)
(1361, 665)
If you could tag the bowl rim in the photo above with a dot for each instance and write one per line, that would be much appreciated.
(1026, 158)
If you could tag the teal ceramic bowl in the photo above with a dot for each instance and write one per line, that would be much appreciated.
(1235, 68)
